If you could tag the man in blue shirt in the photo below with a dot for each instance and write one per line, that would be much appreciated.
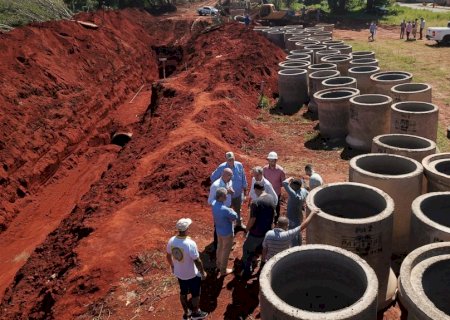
(223, 220)
(296, 198)
(239, 183)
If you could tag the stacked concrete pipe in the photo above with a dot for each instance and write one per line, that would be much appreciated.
(369, 117)
(299, 56)
(293, 89)
(407, 145)
(328, 34)
(424, 282)
(362, 76)
(437, 171)
(314, 29)
(290, 43)
(331, 43)
(398, 176)
(294, 34)
(411, 92)
(341, 60)
(333, 110)
(324, 53)
(320, 38)
(339, 82)
(382, 82)
(326, 26)
(358, 218)
(320, 67)
(363, 54)
(361, 62)
(304, 43)
(315, 84)
(315, 48)
(317, 282)
(416, 118)
(276, 37)
(294, 64)
(343, 48)
(303, 53)
(430, 221)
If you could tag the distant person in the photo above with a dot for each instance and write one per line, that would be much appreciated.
(296, 199)
(184, 260)
(275, 174)
(303, 12)
(414, 29)
(402, 29)
(372, 30)
(280, 238)
(268, 188)
(239, 180)
(315, 180)
(247, 20)
(422, 27)
(223, 222)
(408, 30)
(318, 15)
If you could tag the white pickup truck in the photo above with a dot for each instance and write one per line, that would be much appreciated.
(439, 34)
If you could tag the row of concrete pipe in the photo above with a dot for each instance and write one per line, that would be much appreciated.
(397, 200)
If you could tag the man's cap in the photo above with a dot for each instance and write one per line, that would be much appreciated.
(183, 224)
(272, 155)
(258, 185)
(229, 155)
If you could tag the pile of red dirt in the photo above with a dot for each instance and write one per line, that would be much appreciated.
(68, 79)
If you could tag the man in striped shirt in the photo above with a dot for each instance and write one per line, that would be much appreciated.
(280, 238)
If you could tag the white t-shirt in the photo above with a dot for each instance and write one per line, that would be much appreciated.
(184, 252)
(315, 181)
(219, 183)
(268, 188)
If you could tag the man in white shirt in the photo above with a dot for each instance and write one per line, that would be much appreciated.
(223, 182)
(184, 260)
(268, 188)
(315, 180)
(422, 26)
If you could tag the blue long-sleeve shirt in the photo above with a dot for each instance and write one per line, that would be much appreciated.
(239, 179)
(295, 204)
(223, 218)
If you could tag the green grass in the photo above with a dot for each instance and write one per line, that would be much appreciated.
(398, 13)
(442, 141)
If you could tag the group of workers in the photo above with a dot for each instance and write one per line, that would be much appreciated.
(228, 192)
(410, 28)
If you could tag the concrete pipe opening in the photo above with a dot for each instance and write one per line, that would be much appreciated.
(443, 166)
(412, 92)
(364, 62)
(363, 54)
(364, 69)
(414, 147)
(319, 38)
(339, 82)
(416, 107)
(362, 75)
(121, 138)
(343, 48)
(294, 64)
(392, 76)
(303, 51)
(423, 282)
(411, 87)
(386, 164)
(299, 56)
(306, 283)
(340, 94)
(336, 58)
(325, 53)
(333, 43)
(437, 180)
(315, 84)
(430, 220)
(321, 66)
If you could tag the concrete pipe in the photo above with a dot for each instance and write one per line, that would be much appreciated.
(323, 34)
(333, 110)
(299, 56)
(293, 89)
(325, 53)
(294, 64)
(302, 52)
(363, 62)
(382, 82)
(315, 48)
(343, 48)
(342, 61)
(437, 171)
(315, 84)
(277, 38)
(314, 29)
(293, 34)
(317, 282)
(430, 221)
(326, 26)
(363, 54)
(369, 117)
(331, 43)
(410, 146)
(339, 82)
(362, 76)
(319, 38)
(302, 44)
(321, 67)
(358, 218)
(411, 92)
(290, 43)
(398, 176)
(416, 118)
(424, 282)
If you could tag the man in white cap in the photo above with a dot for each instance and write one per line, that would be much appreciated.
(184, 260)
(239, 183)
(275, 174)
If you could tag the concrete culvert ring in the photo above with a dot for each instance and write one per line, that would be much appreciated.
(293, 90)
(363, 54)
(343, 48)
(299, 56)
(364, 62)
(325, 53)
(338, 82)
(362, 75)
(412, 92)
(407, 145)
(315, 84)
(121, 138)
(438, 178)
(306, 283)
(430, 220)
(423, 282)
(294, 64)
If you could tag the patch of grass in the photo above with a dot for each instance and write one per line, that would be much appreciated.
(442, 141)
(264, 102)
(398, 13)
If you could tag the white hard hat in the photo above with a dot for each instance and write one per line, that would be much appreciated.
(272, 155)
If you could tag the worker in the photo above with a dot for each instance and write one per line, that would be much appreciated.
(247, 20)
(275, 174)
(296, 199)
(258, 176)
(315, 180)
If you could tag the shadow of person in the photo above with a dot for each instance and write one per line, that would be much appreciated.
(244, 298)
(211, 286)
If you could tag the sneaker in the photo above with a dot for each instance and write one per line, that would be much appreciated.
(199, 315)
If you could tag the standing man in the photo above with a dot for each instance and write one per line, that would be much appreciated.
(372, 29)
(262, 211)
(414, 29)
(275, 174)
(247, 20)
(297, 196)
(422, 27)
(268, 188)
(315, 180)
(408, 30)
(223, 182)
(239, 183)
(223, 220)
(280, 238)
(402, 29)
(184, 260)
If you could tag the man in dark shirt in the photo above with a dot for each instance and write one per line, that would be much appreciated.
(262, 211)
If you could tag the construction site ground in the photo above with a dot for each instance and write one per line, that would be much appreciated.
(84, 222)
